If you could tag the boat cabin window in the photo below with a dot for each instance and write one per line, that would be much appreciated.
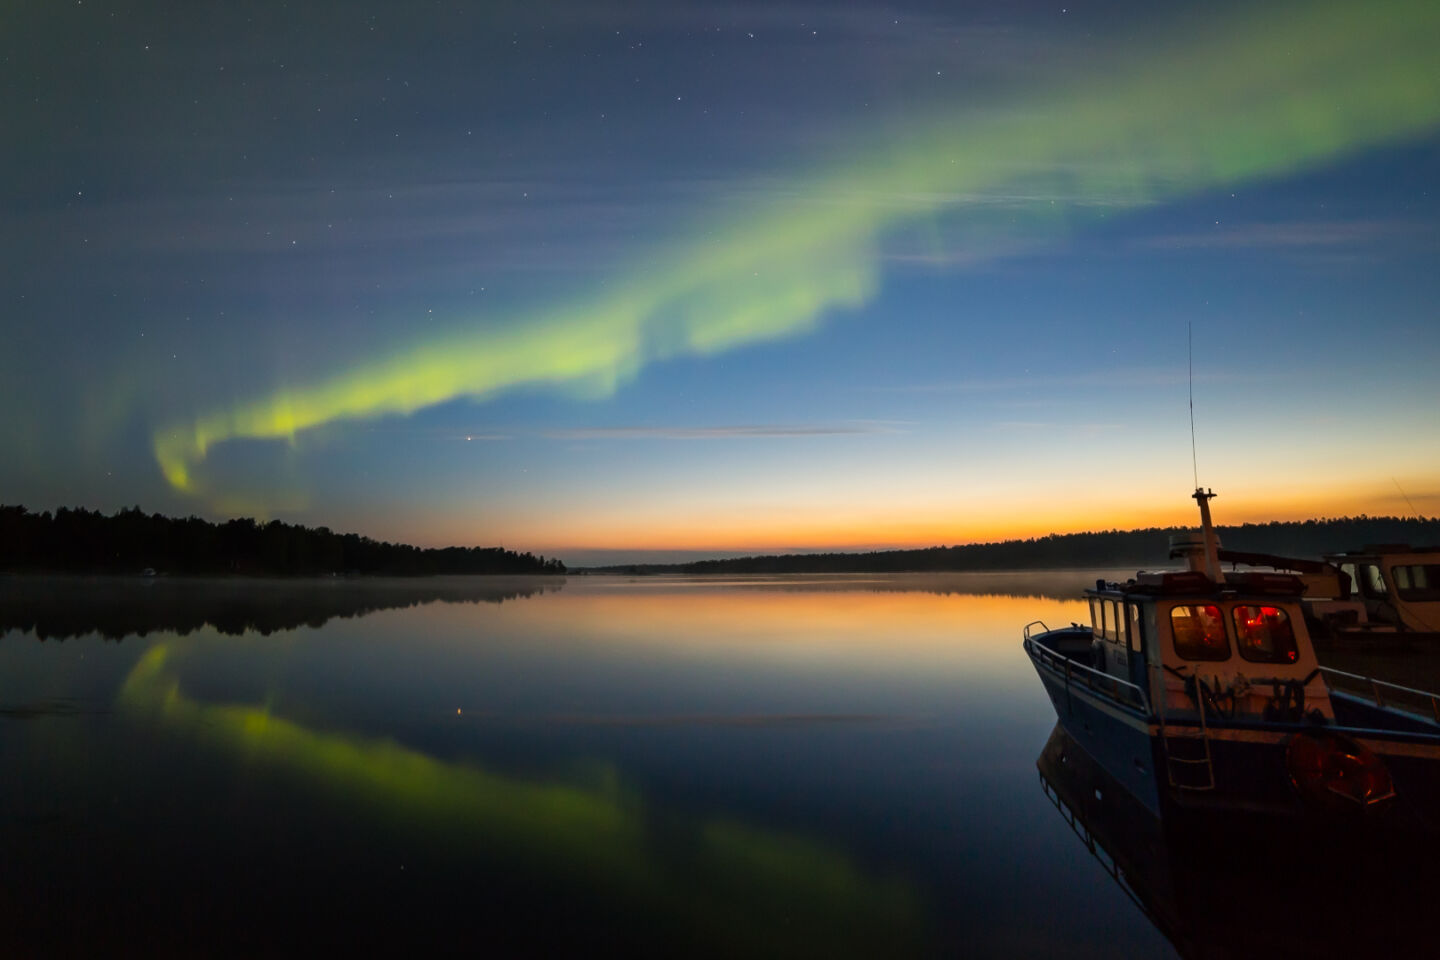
(1371, 583)
(1199, 632)
(1135, 633)
(1107, 619)
(1264, 634)
(1417, 581)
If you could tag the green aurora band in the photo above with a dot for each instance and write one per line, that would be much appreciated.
(1260, 95)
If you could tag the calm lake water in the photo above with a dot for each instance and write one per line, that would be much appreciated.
(794, 766)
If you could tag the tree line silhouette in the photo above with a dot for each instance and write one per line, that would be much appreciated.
(1108, 548)
(130, 541)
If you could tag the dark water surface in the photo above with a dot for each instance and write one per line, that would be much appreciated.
(820, 766)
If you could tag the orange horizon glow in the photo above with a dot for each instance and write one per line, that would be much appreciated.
(921, 526)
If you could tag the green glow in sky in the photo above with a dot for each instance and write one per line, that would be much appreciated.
(1260, 96)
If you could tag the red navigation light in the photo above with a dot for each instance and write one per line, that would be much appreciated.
(1327, 766)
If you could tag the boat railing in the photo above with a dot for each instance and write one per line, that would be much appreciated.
(1099, 681)
(1384, 694)
(1036, 623)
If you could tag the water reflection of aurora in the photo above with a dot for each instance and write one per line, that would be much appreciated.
(724, 885)
(1257, 94)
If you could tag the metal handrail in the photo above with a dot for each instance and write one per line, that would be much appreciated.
(1035, 623)
(1108, 683)
(1375, 686)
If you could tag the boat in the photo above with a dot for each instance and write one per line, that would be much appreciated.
(1202, 688)
(1383, 598)
(1398, 584)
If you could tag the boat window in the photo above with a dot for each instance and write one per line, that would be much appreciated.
(1371, 582)
(1417, 581)
(1264, 634)
(1135, 634)
(1199, 632)
(1097, 617)
(1117, 620)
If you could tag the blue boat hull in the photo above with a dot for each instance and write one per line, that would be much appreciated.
(1117, 737)
(1246, 766)
(1248, 763)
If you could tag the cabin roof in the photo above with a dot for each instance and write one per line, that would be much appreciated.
(1192, 583)
(1374, 551)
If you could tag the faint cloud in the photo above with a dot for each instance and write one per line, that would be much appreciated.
(1128, 378)
(946, 258)
(1409, 498)
(1295, 235)
(929, 201)
(449, 434)
(502, 221)
(873, 37)
(1083, 428)
(1024, 425)
(775, 431)
(732, 432)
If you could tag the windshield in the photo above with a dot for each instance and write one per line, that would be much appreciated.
(1199, 632)
(1264, 634)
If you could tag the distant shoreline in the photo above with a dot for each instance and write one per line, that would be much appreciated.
(132, 544)
(1148, 547)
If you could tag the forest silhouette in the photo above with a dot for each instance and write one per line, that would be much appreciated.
(130, 541)
(1058, 551)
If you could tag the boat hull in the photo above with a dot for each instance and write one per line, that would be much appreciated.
(1234, 766)
(1248, 767)
(1119, 737)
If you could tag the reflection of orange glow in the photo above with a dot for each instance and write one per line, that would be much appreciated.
(719, 617)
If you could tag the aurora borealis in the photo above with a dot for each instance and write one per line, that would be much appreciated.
(713, 278)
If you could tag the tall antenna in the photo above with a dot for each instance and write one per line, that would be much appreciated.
(1190, 345)
(1407, 499)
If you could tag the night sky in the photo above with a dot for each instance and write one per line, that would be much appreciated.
(626, 280)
